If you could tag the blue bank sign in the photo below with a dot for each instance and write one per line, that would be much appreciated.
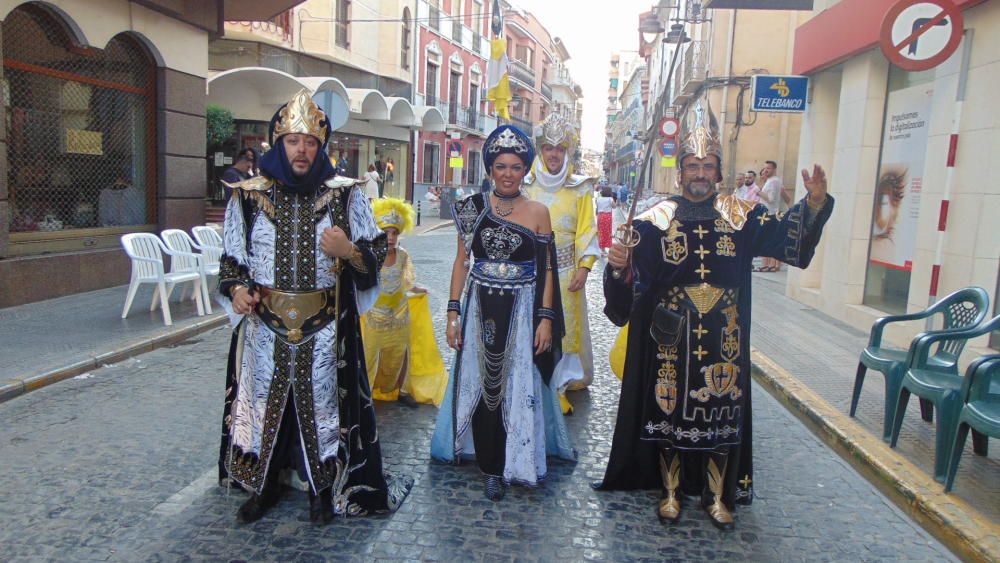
(779, 93)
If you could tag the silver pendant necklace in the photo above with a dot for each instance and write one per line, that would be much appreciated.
(505, 203)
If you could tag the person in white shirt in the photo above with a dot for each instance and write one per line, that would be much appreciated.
(372, 180)
(772, 195)
(749, 190)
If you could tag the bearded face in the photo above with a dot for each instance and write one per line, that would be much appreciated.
(698, 176)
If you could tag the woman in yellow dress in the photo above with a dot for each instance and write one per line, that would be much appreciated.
(401, 354)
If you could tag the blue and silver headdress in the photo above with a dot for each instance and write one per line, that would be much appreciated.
(508, 139)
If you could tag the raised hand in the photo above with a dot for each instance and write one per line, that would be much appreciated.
(815, 184)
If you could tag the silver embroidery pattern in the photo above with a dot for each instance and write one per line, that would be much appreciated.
(500, 242)
(489, 332)
(502, 270)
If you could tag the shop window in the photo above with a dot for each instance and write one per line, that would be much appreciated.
(899, 182)
(432, 163)
(405, 40)
(342, 28)
(81, 136)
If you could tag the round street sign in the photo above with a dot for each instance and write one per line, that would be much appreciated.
(668, 147)
(918, 35)
(669, 127)
(454, 147)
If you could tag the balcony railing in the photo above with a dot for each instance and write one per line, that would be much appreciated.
(695, 68)
(466, 117)
(522, 124)
(547, 91)
(521, 72)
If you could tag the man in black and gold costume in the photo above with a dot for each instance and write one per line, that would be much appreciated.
(684, 416)
(301, 263)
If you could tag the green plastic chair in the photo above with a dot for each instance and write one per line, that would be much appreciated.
(980, 398)
(941, 387)
(962, 309)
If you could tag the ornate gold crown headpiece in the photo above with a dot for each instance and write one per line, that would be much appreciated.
(702, 138)
(301, 115)
(555, 130)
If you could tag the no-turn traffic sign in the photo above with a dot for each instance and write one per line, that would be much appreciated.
(921, 34)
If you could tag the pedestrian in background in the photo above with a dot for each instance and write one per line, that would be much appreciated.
(371, 182)
(239, 171)
(605, 204)
(748, 190)
(771, 195)
(251, 154)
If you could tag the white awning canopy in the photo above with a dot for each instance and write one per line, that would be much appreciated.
(255, 93)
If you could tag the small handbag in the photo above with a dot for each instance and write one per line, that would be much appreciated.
(667, 326)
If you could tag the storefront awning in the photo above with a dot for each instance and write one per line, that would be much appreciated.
(254, 93)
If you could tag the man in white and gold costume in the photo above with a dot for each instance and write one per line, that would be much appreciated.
(570, 199)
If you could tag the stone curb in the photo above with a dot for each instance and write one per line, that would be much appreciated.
(960, 527)
(20, 386)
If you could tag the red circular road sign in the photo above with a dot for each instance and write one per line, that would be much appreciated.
(669, 126)
(455, 146)
(918, 35)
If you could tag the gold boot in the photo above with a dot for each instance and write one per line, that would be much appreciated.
(668, 509)
(717, 511)
(567, 407)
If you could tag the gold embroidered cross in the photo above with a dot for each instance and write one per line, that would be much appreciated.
(701, 232)
(700, 331)
(702, 270)
(746, 481)
(700, 352)
(701, 252)
(763, 218)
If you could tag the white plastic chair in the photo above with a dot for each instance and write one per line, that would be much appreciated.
(209, 242)
(179, 247)
(146, 252)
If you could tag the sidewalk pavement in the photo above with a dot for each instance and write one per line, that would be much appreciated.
(49, 341)
(808, 361)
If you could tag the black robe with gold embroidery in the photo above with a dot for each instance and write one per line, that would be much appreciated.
(695, 259)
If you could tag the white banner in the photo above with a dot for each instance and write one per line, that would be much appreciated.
(901, 177)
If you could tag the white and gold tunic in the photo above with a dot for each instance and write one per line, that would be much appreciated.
(570, 199)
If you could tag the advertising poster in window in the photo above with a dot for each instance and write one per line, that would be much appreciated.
(900, 177)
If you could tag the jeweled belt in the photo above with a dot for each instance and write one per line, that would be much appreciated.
(296, 315)
(566, 256)
(503, 274)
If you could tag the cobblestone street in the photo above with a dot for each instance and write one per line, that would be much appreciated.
(120, 464)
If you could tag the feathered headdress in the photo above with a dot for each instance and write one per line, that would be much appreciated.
(393, 212)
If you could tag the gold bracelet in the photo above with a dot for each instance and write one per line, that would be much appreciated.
(357, 260)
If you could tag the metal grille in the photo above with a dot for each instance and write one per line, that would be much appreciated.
(81, 128)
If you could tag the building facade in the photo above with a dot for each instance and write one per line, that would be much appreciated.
(719, 52)
(885, 135)
(104, 114)
(450, 74)
(367, 46)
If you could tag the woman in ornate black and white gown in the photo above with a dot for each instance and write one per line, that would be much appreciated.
(499, 408)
